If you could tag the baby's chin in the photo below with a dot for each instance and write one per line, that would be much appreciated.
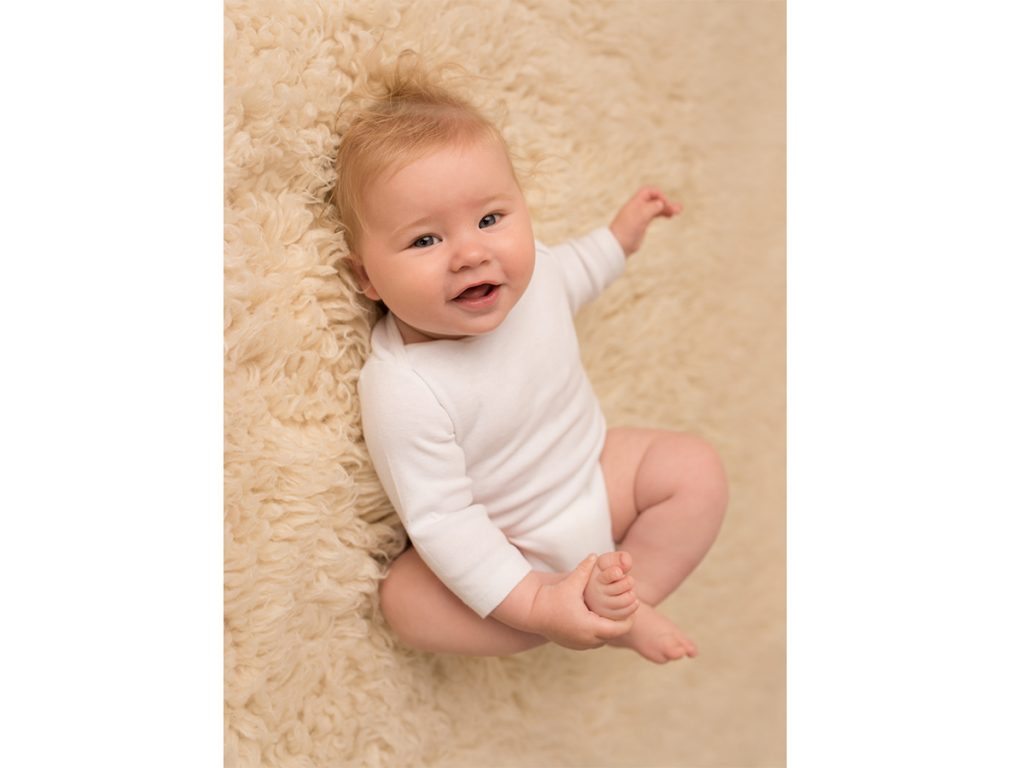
(475, 331)
(454, 332)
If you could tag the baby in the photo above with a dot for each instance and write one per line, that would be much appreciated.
(478, 416)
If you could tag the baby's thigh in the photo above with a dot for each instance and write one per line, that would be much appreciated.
(621, 457)
(644, 467)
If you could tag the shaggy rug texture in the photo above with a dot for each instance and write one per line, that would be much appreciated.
(595, 97)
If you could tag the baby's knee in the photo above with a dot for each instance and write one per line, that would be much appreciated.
(704, 473)
(394, 593)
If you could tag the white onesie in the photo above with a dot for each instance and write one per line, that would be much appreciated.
(489, 446)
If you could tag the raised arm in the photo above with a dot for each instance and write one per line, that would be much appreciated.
(631, 222)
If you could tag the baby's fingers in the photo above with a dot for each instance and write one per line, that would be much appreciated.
(660, 206)
(657, 204)
(667, 208)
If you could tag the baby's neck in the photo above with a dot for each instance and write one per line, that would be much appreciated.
(412, 335)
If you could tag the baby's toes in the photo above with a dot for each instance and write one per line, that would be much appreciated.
(619, 587)
(607, 560)
(611, 575)
(625, 561)
(689, 647)
(681, 645)
(625, 600)
(674, 650)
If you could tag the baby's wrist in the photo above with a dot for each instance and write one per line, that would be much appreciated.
(613, 227)
(623, 238)
(519, 609)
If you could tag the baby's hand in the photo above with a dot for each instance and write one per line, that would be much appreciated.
(560, 614)
(631, 221)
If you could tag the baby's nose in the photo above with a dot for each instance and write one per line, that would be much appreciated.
(468, 255)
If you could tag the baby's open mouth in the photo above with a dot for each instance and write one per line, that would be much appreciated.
(477, 292)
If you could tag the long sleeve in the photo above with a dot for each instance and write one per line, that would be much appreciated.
(589, 264)
(413, 446)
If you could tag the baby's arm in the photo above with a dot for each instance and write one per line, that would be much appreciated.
(552, 605)
(631, 222)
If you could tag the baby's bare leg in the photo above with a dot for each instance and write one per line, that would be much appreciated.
(667, 494)
(428, 617)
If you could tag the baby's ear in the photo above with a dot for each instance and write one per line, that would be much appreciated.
(356, 264)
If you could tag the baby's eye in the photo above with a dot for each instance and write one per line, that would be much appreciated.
(489, 220)
(424, 242)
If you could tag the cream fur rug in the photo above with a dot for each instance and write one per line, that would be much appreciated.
(597, 98)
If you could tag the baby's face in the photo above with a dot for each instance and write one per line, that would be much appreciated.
(447, 243)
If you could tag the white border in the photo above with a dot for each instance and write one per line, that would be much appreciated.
(112, 325)
(906, 345)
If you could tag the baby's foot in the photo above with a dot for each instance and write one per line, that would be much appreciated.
(656, 638)
(609, 593)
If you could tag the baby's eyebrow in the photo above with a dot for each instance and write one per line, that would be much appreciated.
(500, 197)
(420, 222)
(423, 221)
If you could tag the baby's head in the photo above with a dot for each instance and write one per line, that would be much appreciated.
(436, 223)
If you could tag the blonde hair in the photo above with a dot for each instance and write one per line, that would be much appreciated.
(409, 113)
